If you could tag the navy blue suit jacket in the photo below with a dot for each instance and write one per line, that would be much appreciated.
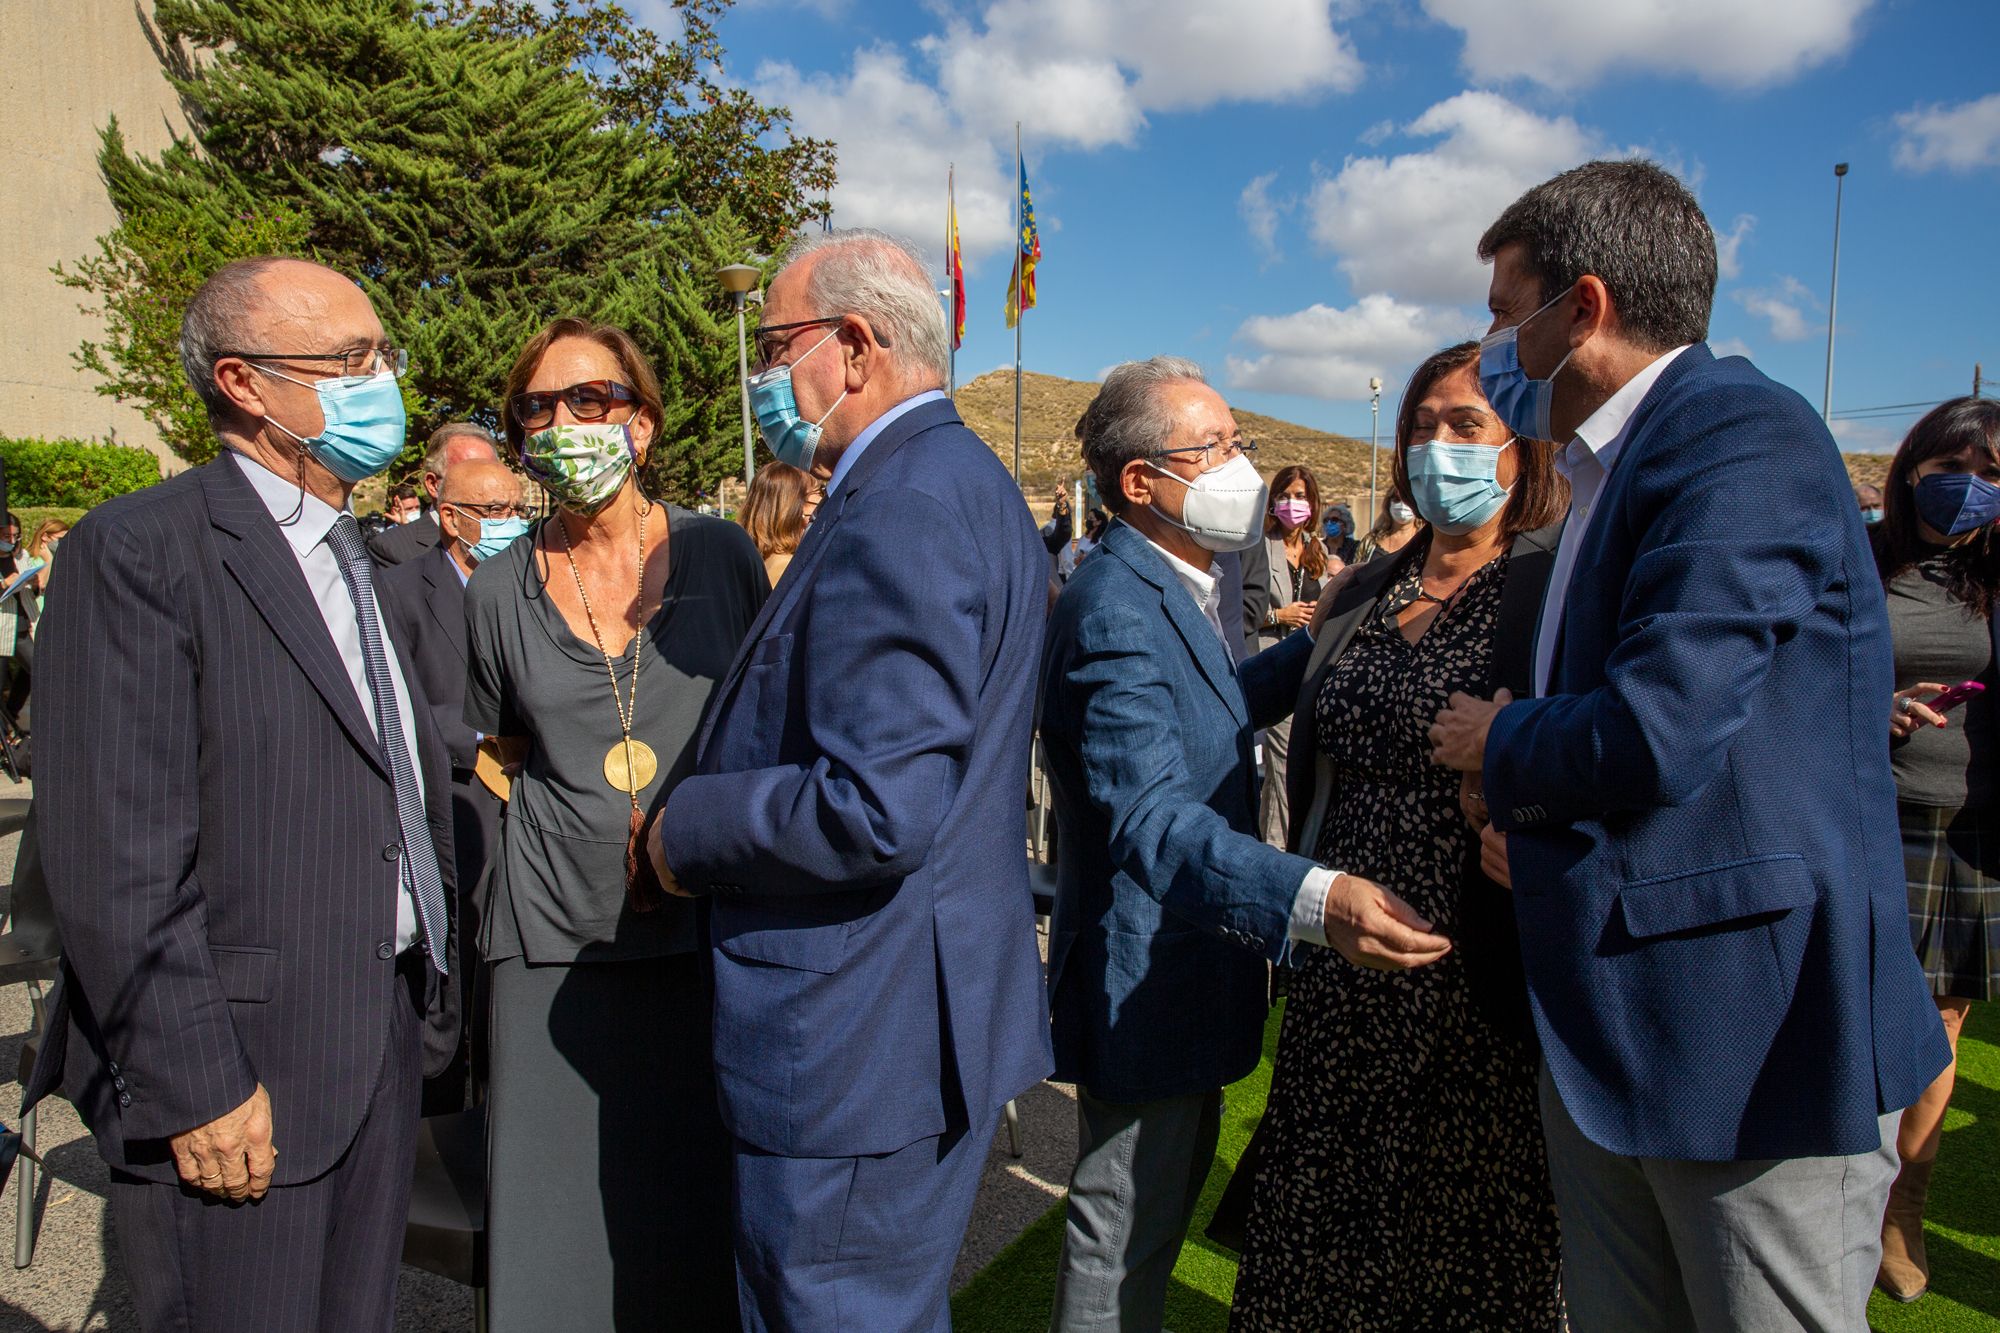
(856, 812)
(218, 826)
(1702, 824)
(1168, 906)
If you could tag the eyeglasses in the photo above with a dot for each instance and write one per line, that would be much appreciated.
(355, 362)
(589, 400)
(498, 509)
(769, 348)
(1206, 453)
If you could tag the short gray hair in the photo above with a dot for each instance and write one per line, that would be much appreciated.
(212, 325)
(885, 280)
(442, 437)
(1127, 419)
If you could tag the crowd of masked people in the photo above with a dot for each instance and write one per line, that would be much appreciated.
(1585, 808)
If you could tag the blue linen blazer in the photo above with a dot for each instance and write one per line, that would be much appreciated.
(1702, 825)
(1168, 906)
(856, 812)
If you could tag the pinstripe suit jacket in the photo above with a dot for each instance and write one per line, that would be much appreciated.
(219, 831)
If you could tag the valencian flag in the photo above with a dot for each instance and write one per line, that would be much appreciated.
(1028, 252)
(954, 262)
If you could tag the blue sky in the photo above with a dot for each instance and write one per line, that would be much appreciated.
(1289, 191)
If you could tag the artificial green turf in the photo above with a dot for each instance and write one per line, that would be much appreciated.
(1012, 1294)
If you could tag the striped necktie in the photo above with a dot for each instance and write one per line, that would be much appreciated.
(419, 860)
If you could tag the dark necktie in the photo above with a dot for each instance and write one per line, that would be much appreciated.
(419, 859)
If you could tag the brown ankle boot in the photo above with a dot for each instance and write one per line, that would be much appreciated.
(1906, 1270)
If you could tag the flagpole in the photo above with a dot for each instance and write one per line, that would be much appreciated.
(951, 290)
(1021, 289)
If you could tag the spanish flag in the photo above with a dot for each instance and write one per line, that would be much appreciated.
(1028, 253)
(955, 262)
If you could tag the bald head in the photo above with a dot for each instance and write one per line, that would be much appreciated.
(480, 481)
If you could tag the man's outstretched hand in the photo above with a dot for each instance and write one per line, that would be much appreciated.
(1372, 927)
(230, 1156)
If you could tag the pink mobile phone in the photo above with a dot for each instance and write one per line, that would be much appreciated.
(1956, 695)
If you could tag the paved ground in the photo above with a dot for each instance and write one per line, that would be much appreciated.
(74, 1283)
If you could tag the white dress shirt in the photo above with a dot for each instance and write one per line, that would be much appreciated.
(1308, 921)
(1587, 461)
(307, 535)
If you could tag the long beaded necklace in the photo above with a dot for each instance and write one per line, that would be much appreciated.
(630, 764)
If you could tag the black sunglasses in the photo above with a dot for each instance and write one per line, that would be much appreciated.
(589, 400)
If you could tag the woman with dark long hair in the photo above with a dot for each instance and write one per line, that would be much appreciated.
(1298, 560)
(1401, 1180)
(1938, 553)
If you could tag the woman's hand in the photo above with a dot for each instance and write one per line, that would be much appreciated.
(1493, 857)
(1294, 615)
(1906, 714)
(1472, 801)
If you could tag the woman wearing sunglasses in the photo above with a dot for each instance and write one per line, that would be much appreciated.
(592, 650)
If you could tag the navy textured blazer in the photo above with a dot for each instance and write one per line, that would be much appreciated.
(1702, 824)
(218, 827)
(856, 812)
(1168, 906)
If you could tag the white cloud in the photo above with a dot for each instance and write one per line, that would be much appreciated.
(1260, 214)
(896, 138)
(1565, 45)
(1789, 308)
(1731, 347)
(1330, 353)
(1729, 248)
(1955, 138)
(1410, 223)
(1080, 74)
(1087, 71)
(1869, 437)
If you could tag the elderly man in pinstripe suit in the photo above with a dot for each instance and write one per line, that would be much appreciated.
(245, 822)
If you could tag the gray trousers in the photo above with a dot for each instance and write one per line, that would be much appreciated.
(1654, 1244)
(1139, 1172)
(1274, 807)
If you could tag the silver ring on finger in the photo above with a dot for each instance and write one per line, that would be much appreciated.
(1906, 705)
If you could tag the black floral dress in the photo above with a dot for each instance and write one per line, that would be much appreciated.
(1403, 1184)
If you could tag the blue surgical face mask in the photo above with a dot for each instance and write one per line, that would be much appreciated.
(1956, 503)
(1872, 516)
(1456, 486)
(792, 439)
(365, 426)
(495, 536)
(1523, 403)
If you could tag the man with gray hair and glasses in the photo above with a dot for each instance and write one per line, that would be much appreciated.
(1169, 906)
(244, 810)
(878, 994)
(453, 442)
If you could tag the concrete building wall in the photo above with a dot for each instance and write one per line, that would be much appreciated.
(66, 68)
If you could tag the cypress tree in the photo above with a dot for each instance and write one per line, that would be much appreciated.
(475, 179)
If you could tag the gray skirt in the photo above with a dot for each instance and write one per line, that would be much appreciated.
(608, 1191)
(1951, 866)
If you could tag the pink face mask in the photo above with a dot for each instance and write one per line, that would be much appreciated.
(1292, 513)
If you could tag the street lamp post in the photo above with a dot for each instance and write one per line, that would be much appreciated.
(1374, 435)
(739, 280)
(1833, 293)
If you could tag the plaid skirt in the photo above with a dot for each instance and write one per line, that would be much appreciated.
(1951, 860)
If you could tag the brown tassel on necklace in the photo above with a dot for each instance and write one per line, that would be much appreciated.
(643, 891)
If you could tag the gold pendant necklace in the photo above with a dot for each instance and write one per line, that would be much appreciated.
(630, 764)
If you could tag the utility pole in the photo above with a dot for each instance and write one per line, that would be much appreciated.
(1975, 379)
(1374, 443)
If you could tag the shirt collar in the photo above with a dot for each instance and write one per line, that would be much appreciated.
(1199, 583)
(852, 454)
(314, 516)
(1602, 434)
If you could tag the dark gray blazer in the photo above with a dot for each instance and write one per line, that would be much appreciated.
(406, 541)
(219, 831)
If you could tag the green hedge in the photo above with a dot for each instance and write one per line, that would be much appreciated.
(73, 473)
